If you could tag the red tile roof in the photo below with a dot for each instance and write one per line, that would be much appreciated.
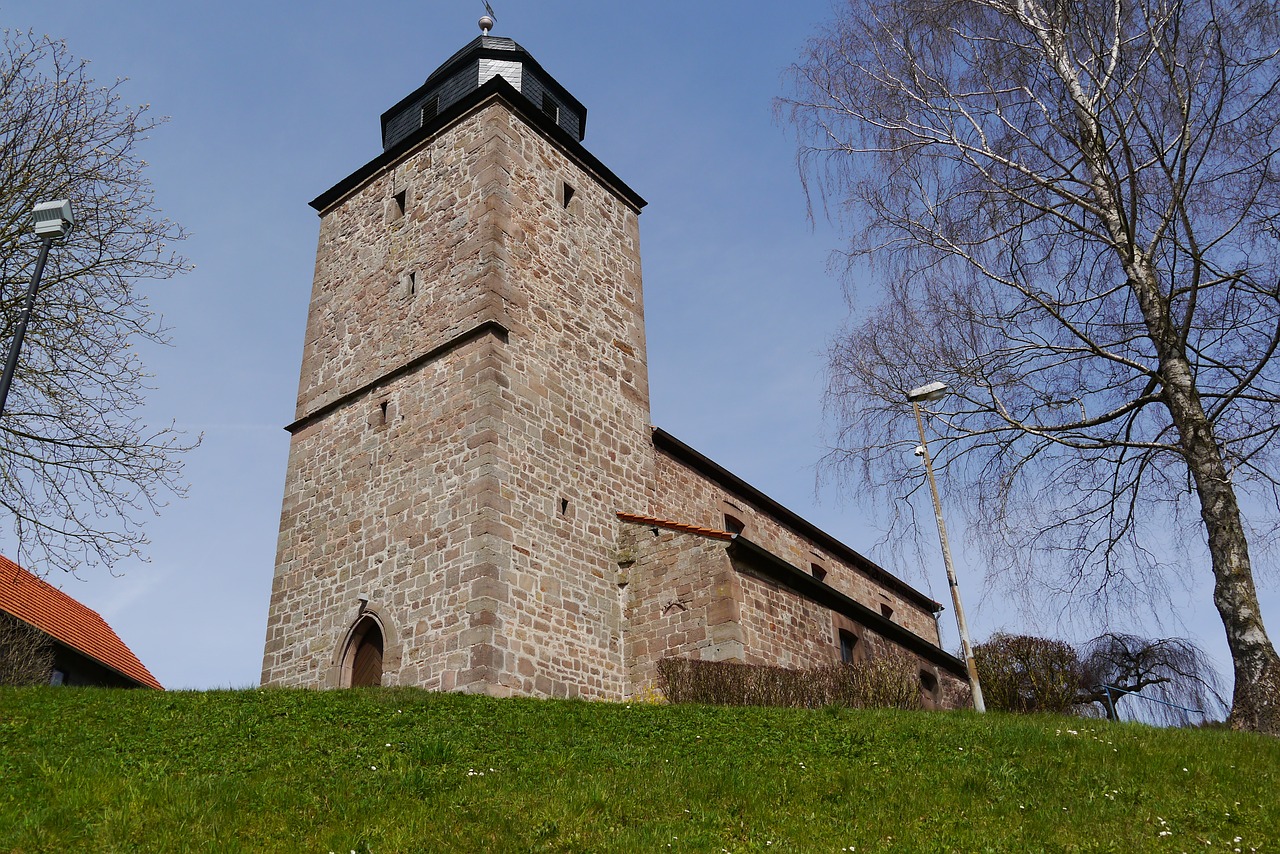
(77, 626)
(675, 526)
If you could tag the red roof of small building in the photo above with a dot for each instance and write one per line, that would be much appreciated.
(56, 614)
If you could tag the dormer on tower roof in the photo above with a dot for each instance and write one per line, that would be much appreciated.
(483, 59)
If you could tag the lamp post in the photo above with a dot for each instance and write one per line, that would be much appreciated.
(51, 221)
(930, 392)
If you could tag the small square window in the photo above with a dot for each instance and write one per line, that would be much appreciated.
(848, 644)
(818, 572)
(886, 611)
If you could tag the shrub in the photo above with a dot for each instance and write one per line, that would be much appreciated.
(26, 653)
(1020, 673)
(886, 682)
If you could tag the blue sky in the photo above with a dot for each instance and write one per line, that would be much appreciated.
(271, 105)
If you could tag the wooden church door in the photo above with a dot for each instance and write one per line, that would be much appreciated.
(366, 668)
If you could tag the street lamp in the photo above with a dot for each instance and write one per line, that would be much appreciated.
(937, 391)
(50, 221)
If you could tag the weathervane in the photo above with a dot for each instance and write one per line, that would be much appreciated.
(486, 23)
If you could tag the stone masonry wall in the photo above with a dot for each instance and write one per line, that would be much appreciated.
(393, 507)
(576, 420)
(681, 597)
(470, 495)
(688, 496)
(686, 598)
(472, 414)
(782, 628)
(391, 285)
(399, 505)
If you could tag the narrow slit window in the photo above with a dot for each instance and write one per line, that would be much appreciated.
(566, 193)
(551, 108)
(564, 506)
(430, 109)
(408, 286)
(398, 203)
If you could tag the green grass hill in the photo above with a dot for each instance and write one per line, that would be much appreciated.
(403, 770)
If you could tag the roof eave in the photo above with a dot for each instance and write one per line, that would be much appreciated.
(154, 683)
(496, 88)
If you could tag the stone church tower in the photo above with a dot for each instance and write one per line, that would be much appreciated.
(473, 404)
(475, 499)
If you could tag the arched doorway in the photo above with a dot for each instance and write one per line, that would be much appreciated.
(365, 654)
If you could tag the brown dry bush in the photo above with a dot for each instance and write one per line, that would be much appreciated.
(26, 653)
(886, 682)
(1029, 674)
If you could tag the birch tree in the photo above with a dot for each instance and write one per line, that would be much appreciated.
(1072, 212)
(80, 470)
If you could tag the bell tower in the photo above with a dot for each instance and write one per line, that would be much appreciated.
(473, 405)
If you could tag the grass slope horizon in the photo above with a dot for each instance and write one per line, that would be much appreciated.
(391, 770)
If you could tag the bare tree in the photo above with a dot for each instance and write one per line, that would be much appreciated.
(1173, 672)
(78, 467)
(1023, 673)
(1073, 210)
(26, 653)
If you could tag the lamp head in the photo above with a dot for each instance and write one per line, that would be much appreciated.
(932, 391)
(52, 219)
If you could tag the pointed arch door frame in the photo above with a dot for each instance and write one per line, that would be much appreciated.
(358, 623)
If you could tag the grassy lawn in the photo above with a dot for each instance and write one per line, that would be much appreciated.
(401, 770)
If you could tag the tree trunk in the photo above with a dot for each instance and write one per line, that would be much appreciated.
(1256, 697)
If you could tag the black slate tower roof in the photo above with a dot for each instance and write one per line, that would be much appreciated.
(483, 59)
(489, 67)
